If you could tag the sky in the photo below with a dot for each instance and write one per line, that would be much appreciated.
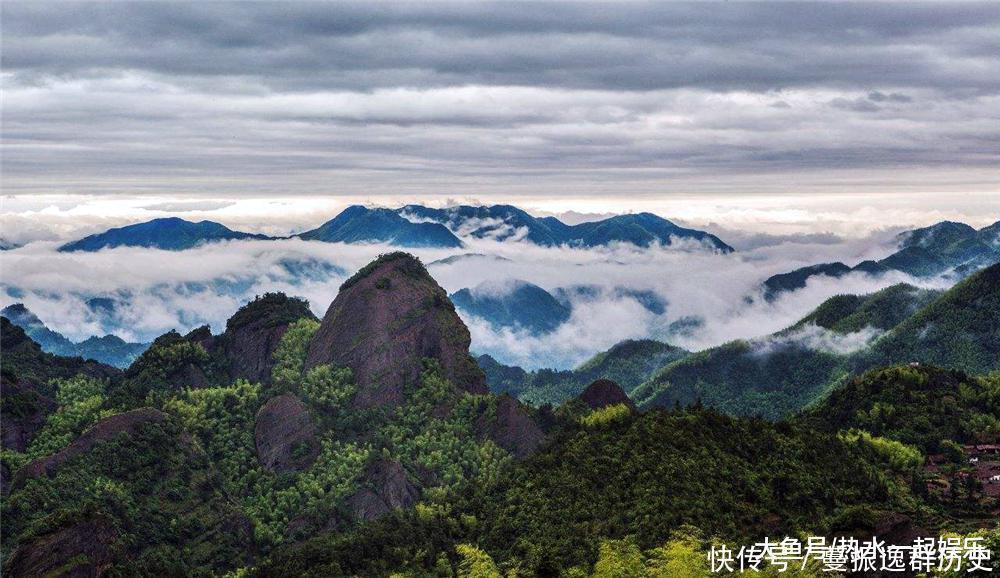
(782, 117)
(798, 133)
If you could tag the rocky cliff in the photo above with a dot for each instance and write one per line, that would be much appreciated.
(384, 321)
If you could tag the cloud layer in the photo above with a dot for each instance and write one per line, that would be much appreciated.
(207, 285)
(416, 98)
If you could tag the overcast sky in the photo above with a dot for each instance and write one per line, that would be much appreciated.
(621, 106)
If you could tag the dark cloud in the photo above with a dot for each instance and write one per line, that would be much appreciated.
(275, 98)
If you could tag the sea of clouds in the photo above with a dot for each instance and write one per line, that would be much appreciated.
(154, 291)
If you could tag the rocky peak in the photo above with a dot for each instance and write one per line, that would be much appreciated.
(386, 319)
(511, 427)
(604, 392)
(255, 331)
(128, 423)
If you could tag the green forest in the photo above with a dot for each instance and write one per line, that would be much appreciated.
(185, 464)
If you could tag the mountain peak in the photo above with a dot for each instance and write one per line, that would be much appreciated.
(167, 233)
(359, 224)
(385, 321)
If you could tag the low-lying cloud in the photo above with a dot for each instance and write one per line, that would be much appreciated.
(155, 291)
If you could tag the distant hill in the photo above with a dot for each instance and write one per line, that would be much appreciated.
(504, 222)
(170, 233)
(628, 363)
(919, 405)
(779, 374)
(942, 248)
(358, 224)
(521, 305)
(108, 349)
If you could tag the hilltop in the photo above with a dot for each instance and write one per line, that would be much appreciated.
(169, 233)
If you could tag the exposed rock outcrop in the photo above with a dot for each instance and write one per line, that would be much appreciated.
(82, 550)
(385, 487)
(511, 428)
(24, 413)
(604, 392)
(127, 423)
(384, 321)
(254, 332)
(285, 435)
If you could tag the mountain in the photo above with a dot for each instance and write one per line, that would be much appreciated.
(505, 222)
(960, 329)
(386, 319)
(170, 233)
(365, 444)
(499, 222)
(29, 380)
(919, 405)
(358, 224)
(650, 300)
(628, 363)
(942, 248)
(6, 245)
(517, 305)
(244, 351)
(779, 374)
(108, 349)
(777, 284)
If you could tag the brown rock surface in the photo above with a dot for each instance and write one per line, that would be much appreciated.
(386, 487)
(384, 321)
(104, 430)
(254, 332)
(285, 435)
(604, 392)
(82, 550)
(512, 428)
(24, 413)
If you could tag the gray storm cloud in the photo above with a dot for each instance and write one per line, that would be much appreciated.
(310, 98)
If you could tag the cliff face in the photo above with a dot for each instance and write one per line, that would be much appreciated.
(285, 435)
(384, 321)
(255, 331)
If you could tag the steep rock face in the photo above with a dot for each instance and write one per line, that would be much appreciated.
(255, 331)
(384, 321)
(511, 428)
(78, 551)
(386, 487)
(108, 428)
(285, 435)
(604, 392)
(24, 412)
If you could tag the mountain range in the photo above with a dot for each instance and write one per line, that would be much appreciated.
(946, 247)
(503, 222)
(367, 443)
(108, 349)
(417, 226)
(169, 233)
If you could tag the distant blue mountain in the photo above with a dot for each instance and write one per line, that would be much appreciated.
(170, 233)
(108, 349)
(503, 222)
(946, 247)
(523, 306)
(358, 224)
(650, 300)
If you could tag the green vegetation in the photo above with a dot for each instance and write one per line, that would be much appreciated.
(781, 374)
(919, 406)
(270, 310)
(628, 364)
(424, 487)
(411, 266)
